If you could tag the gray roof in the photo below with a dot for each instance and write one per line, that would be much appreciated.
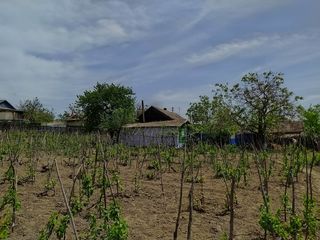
(159, 124)
(175, 120)
(172, 115)
(4, 104)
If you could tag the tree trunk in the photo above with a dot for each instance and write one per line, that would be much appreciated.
(261, 140)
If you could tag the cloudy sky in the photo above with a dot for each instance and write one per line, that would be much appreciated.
(169, 52)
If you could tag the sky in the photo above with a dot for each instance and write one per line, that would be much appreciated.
(169, 52)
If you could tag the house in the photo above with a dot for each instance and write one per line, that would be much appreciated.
(74, 122)
(287, 132)
(287, 129)
(9, 112)
(155, 127)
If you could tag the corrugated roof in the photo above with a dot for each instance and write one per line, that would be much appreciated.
(169, 123)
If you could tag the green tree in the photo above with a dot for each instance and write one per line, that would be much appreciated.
(35, 112)
(311, 121)
(107, 106)
(211, 116)
(259, 102)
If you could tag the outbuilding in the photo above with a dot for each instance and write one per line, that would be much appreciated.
(155, 126)
(9, 113)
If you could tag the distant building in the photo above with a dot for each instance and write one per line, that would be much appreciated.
(288, 132)
(287, 129)
(9, 112)
(55, 124)
(155, 126)
(284, 132)
(74, 122)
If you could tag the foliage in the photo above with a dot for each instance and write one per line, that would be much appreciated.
(50, 185)
(272, 223)
(287, 223)
(311, 223)
(277, 227)
(87, 188)
(258, 102)
(232, 171)
(112, 226)
(10, 201)
(97, 174)
(76, 205)
(57, 224)
(108, 106)
(311, 121)
(10, 198)
(35, 112)
(211, 116)
(116, 119)
(5, 225)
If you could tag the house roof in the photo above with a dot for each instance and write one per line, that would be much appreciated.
(158, 117)
(289, 127)
(172, 115)
(73, 118)
(5, 106)
(154, 114)
(168, 123)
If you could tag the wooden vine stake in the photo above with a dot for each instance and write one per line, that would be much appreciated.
(66, 201)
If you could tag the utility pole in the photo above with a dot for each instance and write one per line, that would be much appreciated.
(143, 117)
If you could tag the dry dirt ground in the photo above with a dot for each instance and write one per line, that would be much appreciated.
(149, 214)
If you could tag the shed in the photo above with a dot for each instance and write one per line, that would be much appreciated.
(161, 127)
(9, 112)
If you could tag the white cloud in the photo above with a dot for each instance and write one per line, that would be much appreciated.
(66, 26)
(255, 46)
(226, 50)
(225, 10)
(43, 45)
(56, 49)
(180, 98)
(26, 76)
